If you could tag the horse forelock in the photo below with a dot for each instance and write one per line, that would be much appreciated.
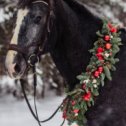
(24, 3)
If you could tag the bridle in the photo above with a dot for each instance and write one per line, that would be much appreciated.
(35, 57)
(32, 59)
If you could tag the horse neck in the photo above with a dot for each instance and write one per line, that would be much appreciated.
(77, 27)
(73, 36)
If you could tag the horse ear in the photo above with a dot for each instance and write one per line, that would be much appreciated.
(51, 15)
(51, 3)
(59, 9)
(55, 5)
(50, 21)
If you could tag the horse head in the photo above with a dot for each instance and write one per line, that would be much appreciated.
(31, 34)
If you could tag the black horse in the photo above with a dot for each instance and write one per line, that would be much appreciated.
(67, 30)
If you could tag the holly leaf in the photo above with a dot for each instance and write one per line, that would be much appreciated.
(80, 77)
(107, 73)
(89, 67)
(116, 48)
(92, 101)
(116, 60)
(77, 106)
(113, 68)
(92, 50)
(95, 92)
(116, 40)
(99, 34)
(89, 104)
(102, 79)
(84, 105)
(112, 60)
(75, 91)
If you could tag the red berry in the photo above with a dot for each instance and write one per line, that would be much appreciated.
(96, 74)
(65, 115)
(100, 50)
(110, 25)
(108, 46)
(113, 30)
(99, 56)
(100, 69)
(107, 38)
(110, 53)
(76, 111)
(84, 86)
(73, 103)
(87, 96)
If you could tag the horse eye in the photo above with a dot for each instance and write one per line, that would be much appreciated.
(37, 19)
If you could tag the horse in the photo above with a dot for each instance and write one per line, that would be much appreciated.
(67, 30)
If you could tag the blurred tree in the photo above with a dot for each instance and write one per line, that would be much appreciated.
(6, 11)
(114, 10)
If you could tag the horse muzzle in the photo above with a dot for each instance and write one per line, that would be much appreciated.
(15, 65)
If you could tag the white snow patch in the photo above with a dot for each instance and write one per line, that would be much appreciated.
(5, 80)
(4, 16)
(121, 3)
(16, 113)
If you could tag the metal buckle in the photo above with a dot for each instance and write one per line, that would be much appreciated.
(32, 56)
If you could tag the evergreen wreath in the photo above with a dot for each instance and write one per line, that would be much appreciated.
(102, 63)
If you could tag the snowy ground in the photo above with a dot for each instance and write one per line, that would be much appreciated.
(16, 113)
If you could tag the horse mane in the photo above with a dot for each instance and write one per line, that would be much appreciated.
(72, 3)
(79, 8)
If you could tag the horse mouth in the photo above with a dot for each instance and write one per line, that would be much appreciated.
(18, 75)
(16, 69)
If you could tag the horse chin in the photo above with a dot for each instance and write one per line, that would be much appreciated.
(21, 75)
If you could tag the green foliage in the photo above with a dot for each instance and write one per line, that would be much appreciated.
(107, 73)
(100, 66)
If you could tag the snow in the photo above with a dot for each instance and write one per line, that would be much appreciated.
(4, 16)
(8, 84)
(16, 113)
(6, 80)
(121, 3)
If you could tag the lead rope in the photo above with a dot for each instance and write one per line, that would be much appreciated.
(35, 114)
(35, 85)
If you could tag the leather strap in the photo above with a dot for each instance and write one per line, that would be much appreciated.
(35, 114)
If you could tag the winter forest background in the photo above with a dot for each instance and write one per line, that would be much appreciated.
(13, 109)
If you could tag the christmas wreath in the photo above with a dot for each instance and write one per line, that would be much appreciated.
(102, 63)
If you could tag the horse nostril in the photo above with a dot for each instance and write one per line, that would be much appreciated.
(17, 68)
